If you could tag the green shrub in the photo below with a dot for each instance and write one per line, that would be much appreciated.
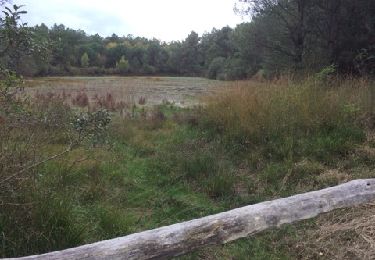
(326, 73)
(122, 65)
(235, 69)
(216, 70)
(85, 60)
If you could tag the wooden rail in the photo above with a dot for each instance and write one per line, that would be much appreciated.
(221, 228)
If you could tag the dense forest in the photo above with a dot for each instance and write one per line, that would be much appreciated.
(283, 36)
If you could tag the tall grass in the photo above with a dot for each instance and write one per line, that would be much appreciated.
(262, 113)
(249, 143)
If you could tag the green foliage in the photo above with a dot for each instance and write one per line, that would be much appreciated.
(15, 37)
(92, 126)
(85, 61)
(293, 36)
(325, 74)
(216, 70)
(235, 69)
(287, 37)
(122, 65)
(248, 145)
(269, 141)
(32, 218)
(8, 86)
(365, 61)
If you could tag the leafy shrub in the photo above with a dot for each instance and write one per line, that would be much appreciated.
(216, 70)
(148, 69)
(85, 60)
(122, 65)
(235, 69)
(92, 126)
(365, 61)
(326, 73)
(33, 134)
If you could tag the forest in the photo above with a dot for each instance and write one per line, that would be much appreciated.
(295, 37)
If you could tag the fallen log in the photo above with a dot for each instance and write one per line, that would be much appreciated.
(224, 227)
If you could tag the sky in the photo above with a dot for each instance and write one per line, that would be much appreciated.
(165, 20)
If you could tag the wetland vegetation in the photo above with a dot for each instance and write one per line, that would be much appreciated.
(83, 159)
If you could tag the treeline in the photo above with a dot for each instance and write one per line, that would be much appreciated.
(64, 51)
(301, 36)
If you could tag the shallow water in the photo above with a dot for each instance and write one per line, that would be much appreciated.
(181, 91)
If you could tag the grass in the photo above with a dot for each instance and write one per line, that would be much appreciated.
(249, 143)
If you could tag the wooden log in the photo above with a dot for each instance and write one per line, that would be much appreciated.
(221, 228)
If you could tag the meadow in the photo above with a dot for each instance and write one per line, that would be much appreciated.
(173, 149)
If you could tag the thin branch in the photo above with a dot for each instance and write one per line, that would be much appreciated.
(69, 149)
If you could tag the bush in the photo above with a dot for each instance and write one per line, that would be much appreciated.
(216, 70)
(122, 65)
(326, 74)
(235, 69)
(32, 220)
(365, 61)
(85, 60)
(148, 69)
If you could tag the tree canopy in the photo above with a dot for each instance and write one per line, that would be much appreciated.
(294, 36)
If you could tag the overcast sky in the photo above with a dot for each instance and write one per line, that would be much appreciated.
(165, 20)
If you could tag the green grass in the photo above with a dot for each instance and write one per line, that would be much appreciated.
(188, 164)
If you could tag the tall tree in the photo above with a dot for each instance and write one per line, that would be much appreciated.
(292, 17)
(85, 61)
(15, 37)
(191, 58)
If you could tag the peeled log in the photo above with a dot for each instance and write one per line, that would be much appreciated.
(221, 228)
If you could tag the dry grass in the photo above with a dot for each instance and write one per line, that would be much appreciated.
(256, 109)
(159, 165)
(82, 100)
(343, 234)
(142, 101)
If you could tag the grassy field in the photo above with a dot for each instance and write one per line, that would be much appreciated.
(163, 164)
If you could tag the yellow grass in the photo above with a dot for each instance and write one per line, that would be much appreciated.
(256, 109)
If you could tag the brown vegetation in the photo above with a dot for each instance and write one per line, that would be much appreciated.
(252, 109)
(344, 234)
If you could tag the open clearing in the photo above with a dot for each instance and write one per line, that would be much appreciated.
(156, 90)
(159, 164)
